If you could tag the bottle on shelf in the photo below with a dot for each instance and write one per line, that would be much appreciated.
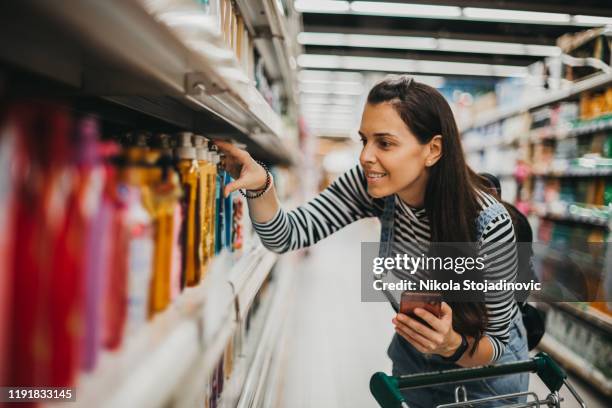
(211, 187)
(141, 233)
(203, 192)
(218, 205)
(189, 174)
(163, 205)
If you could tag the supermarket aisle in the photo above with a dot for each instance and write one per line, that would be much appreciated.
(338, 342)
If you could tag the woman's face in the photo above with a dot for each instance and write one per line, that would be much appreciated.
(392, 158)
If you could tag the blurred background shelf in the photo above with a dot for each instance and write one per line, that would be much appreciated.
(593, 83)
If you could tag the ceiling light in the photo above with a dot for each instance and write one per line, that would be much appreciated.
(321, 6)
(446, 12)
(515, 15)
(591, 20)
(405, 65)
(425, 43)
(329, 83)
(323, 92)
(330, 75)
(341, 88)
(404, 10)
(364, 40)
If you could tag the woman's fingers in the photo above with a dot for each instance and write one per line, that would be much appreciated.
(233, 186)
(431, 319)
(431, 335)
(228, 148)
(418, 341)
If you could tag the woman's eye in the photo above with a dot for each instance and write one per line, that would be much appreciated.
(384, 144)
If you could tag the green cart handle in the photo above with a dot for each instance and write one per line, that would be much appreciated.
(386, 389)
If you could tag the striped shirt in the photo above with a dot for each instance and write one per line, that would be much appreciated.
(346, 200)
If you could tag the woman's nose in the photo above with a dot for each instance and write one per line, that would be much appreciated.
(367, 154)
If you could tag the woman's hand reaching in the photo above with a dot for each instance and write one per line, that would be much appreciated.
(440, 338)
(247, 173)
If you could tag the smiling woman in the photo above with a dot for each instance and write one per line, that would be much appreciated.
(413, 176)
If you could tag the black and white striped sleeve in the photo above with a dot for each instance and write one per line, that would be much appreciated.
(497, 246)
(346, 200)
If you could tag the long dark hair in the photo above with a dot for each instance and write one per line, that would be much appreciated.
(451, 193)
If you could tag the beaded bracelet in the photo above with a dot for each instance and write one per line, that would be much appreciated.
(266, 186)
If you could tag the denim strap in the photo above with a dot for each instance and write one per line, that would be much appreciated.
(387, 220)
(486, 216)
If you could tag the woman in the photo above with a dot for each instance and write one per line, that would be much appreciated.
(411, 160)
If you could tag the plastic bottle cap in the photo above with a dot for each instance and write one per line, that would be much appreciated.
(199, 143)
(184, 148)
(215, 159)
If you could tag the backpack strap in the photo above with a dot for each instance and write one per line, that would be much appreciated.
(486, 216)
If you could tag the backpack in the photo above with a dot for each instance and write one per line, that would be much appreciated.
(532, 318)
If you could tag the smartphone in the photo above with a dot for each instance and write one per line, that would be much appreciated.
(430, 301)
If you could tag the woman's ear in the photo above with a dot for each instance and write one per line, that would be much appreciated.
(435, 150)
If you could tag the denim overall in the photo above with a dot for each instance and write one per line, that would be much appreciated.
(408, 360)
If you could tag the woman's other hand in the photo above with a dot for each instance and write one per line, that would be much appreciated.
(439, 338)
(247, 173)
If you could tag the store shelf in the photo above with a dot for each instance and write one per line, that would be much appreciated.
(192, 333)
(591, 126)
(579, 128)
(116, 48)
(253, 389)
(471, 148)
(548, 98)
(588, 314)
(567, 215)
(578, 172)
(263, 337)
(579, 257)
(574, 362)
(270, 33)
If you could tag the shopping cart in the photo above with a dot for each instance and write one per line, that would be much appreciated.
(386, 389)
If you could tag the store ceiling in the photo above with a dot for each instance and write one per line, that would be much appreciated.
(438, 38)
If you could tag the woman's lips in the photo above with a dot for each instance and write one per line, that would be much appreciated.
(375, 177)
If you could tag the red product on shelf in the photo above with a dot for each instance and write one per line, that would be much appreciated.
(42, 188)
(115, 296)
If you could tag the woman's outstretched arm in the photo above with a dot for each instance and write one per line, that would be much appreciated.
(343, 202)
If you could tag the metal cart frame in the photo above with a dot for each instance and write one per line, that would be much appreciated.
(386, 389)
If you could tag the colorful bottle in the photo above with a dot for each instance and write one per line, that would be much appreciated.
(116, 290)
(203, 192)
(219, 218)
(212, 201)
(189, 173)
(140, 260)
(228, 211)
(97, 238)
(165, 188)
